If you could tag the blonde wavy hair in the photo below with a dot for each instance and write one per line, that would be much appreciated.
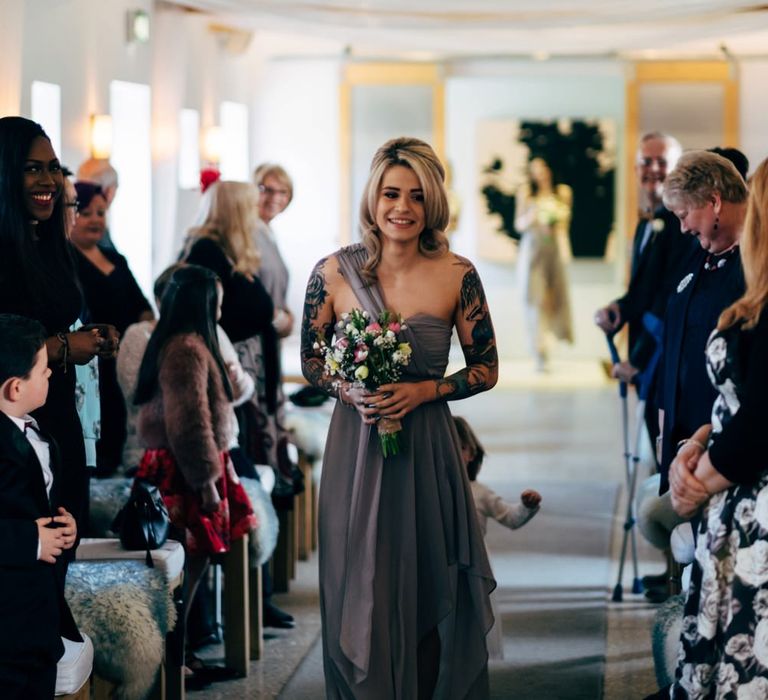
(419, 157)
(754, 256)
(698, 175)
(229, 215)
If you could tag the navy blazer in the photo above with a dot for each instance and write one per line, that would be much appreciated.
(33, 611)
(655, 272)
(699, 395)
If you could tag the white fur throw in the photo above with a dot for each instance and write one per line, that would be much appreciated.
(667, 626)
(263, 539)
(126, 609)
(108, 496)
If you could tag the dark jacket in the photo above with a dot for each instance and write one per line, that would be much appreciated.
(246, 311)
(685, 393)
(654, 276)
(33, 611)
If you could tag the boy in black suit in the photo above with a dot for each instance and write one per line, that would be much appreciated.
(33, 530)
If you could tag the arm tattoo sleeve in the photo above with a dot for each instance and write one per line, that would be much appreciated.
(312, 331)
(482, 360)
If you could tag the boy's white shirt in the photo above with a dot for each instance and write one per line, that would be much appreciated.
(490, 505)
(42, 450)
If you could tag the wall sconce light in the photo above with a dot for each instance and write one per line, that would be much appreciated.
(101, 136)
(137, 27)
(213, 144)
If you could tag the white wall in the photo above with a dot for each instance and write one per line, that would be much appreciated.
(80, 45)
(754, 110)
(294, 114)
(297, 125)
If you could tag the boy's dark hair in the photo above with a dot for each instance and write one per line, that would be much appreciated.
(20, 340)
(467, 438)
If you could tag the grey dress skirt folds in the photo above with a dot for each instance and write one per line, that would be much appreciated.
(401, 552)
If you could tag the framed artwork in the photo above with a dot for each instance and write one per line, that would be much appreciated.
(581, 154)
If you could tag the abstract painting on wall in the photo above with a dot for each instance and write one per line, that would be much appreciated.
(581, 154)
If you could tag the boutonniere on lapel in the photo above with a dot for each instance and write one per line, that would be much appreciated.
(684, 282)
(658, 225)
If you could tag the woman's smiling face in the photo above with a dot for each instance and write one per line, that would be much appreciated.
(400, 207)
(43, 180)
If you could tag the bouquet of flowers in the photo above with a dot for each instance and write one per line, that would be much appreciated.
(368, 353)
(551, 211)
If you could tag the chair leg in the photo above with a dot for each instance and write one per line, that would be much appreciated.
(257, 613)
(281, 571)
(237, 637)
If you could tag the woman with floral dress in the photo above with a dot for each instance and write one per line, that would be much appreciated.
(723, 467)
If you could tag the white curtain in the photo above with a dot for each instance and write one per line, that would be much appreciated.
(11, 38)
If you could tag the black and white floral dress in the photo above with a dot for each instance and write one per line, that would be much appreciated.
(723, 650)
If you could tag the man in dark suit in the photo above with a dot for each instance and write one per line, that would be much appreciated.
(34, 532)
(658, 251)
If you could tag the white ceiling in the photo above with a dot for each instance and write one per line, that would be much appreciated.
(539, 28)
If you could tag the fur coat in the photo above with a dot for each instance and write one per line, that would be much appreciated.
(190, 414)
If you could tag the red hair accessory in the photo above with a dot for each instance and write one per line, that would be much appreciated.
(207, 177)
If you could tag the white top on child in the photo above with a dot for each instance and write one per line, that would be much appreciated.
(490, 505)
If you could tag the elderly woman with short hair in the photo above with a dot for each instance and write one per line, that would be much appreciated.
(709, 196)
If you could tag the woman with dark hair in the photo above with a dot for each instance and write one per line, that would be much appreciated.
(543, 215)
(404, 576)
(112, 295)
(38, 279)
(185, 422)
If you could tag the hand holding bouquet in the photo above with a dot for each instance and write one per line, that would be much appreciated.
(368, 353)
(552, 211)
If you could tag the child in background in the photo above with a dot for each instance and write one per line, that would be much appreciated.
(490, 505)
(34, 531)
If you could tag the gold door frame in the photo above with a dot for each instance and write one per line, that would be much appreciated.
(354, 74)
(722, 72)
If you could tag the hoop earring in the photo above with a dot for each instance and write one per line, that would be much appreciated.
(717, 223)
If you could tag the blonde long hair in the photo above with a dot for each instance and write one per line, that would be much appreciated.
(754, 256)
(419, 157)
(229, 216)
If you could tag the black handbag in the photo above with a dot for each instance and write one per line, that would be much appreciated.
(143, 522)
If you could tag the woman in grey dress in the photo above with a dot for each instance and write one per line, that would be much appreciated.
(404, 575)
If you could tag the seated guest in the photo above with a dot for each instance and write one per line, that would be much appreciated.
(111, 296)
(720, 474)
(709, 197)
(34, 529)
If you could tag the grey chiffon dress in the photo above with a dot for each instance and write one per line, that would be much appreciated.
(401, 552)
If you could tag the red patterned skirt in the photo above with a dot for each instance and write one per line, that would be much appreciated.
(205, 533)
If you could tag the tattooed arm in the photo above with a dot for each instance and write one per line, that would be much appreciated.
(317, 325)
(475, 331)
